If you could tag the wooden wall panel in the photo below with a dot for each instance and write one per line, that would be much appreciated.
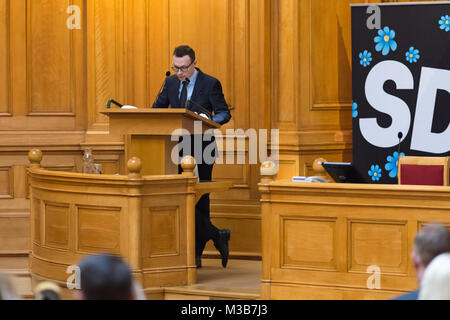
(49, 57)
(159, 51)
(380, 243)
(161, 233)
(106, 239)
(105, 57)
(206, 26)
(14, 233)
(5, 74)
(331, 54)
(56, 224)
(308, 242)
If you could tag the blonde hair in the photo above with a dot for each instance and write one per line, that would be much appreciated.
(47, 290)
(7, 291)
(436, 279)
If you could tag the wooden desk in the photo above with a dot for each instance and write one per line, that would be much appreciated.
(320, 239)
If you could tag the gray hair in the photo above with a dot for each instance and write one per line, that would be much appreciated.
(431, 241)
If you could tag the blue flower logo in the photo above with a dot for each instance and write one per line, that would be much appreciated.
(412, 55)
(392, 165)
(365, 57)
(354, 110)
(445, 23)
(385, 41)
(375, 172)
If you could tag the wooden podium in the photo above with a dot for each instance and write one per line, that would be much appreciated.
(146, 134)
(146, 214)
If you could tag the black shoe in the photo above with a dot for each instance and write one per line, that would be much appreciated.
(198, 261)
(222, 245)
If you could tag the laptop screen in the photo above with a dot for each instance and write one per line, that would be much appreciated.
(343, 172)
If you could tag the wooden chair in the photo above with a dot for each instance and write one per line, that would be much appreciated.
(431, 171)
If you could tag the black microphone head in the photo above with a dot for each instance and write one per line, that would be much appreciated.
(400, 135)
(187, 80)
(168, 74)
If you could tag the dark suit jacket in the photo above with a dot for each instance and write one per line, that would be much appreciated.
(207, 92)
(413, 295)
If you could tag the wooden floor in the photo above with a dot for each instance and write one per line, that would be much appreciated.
(240, 280)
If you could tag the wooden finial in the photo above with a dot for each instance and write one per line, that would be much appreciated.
(134, 166)
(318, 169)
(35, 157)
(188, 165)
(268, 171)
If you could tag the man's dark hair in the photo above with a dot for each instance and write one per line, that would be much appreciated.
(182, 51)
(431, 241)
(105, 277)
(49, 295)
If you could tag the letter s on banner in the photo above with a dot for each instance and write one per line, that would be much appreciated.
(386, 103)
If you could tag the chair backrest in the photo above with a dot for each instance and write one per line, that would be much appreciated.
(432, 171)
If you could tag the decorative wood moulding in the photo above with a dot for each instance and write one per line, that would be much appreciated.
(315, 140)
(6, 183)
(5, 58)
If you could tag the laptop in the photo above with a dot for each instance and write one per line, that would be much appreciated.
(343, 172)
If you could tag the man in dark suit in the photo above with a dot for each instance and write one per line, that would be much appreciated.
(191, 84)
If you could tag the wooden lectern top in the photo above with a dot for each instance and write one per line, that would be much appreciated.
(155, 121)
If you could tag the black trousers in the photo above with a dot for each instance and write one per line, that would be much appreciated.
(204, 229)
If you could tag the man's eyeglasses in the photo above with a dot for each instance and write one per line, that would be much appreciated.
(183, 68)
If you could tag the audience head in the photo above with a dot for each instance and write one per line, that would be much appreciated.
(429, 242)
(105, 277)
(47, 291)
(436, 279)
(7, 291)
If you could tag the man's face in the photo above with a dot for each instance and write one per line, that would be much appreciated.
(184, 62)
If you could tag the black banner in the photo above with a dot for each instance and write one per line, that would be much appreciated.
(401, 85)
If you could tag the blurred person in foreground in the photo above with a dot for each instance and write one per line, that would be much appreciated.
(106, 277)
(436, 279)
(7, 290)
(47, 291)
(431, 241)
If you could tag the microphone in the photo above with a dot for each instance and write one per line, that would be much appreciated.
(400, 136)
(108, 105)
(162, 86)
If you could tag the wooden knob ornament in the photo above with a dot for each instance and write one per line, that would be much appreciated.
(268, 168)
(35, 157)
(188, 165)
(134, 166)
(319, 170)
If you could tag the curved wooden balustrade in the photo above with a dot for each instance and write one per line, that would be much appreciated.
(148, 220)
(329, 240)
